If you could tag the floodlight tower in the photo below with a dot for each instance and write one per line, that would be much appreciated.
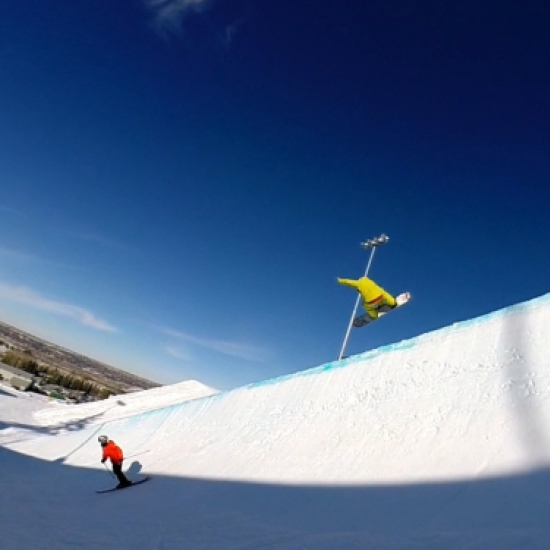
(371, 244)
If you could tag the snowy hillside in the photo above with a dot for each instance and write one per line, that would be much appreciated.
(121, 406)
(435, 443)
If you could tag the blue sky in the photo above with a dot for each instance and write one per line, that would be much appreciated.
(182, 181)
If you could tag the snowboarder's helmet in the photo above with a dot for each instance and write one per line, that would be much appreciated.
(103, 439)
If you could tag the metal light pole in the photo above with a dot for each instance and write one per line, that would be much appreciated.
(373, 244)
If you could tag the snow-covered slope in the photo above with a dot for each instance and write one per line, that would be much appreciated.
(121, 406)
(440, 442)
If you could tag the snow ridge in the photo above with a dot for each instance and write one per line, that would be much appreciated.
(121, 406)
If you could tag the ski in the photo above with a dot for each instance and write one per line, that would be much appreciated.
(127, 487)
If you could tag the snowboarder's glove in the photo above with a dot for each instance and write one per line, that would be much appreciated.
(103, 460)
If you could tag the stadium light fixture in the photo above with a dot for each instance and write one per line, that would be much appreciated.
(371, 244)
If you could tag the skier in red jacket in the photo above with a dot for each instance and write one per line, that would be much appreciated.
(114, 452)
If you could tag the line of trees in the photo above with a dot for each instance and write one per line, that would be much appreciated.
(52, 375)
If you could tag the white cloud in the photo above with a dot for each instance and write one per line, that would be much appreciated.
(232, 29)
(10, 210)
(21, 256)
(177, 353)
(101, 240)
(29, 297)
(234, 349)
(169, 13)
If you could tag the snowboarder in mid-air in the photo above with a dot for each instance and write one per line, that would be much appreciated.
(375, 299)
(114, 453)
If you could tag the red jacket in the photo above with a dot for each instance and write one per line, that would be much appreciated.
(114, 452)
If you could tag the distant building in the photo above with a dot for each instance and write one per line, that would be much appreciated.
(16, 378)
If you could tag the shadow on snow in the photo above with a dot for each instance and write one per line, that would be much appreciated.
(71, 426)
(170, 513)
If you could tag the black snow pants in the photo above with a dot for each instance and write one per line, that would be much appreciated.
(117, 470)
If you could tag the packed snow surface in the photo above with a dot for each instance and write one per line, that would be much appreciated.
(436, 443)
(121, 406)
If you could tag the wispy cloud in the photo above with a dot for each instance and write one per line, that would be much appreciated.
(29, 297)
(101, 240)
(19, 255)
(169, 13)
(234, 349)
(178, 353)
(232, 29)
(22, 256)
(10, 210)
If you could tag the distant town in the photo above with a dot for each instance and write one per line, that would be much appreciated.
(28, 363)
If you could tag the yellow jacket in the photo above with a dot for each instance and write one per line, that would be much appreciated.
(368, 289)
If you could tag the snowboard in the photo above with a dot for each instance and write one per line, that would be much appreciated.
(366, 319)
(134, 483)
